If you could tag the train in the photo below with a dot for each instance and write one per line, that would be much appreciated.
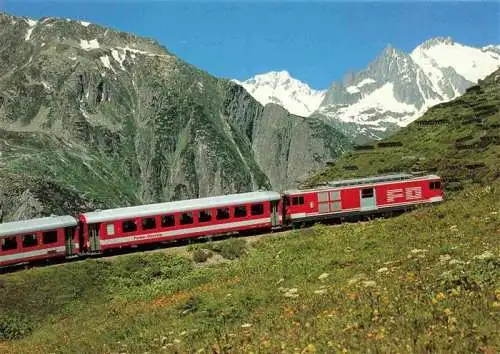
(96, 232)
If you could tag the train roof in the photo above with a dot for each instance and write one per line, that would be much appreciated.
(179, 206)
(33, 225)
(368, 180)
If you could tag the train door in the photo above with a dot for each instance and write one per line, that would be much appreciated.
(68, 241)
(94, 242)
(329, 202)
(323, 203)
(284, 208)
(275, 220)
(367, 199)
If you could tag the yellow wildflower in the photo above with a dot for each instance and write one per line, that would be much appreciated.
(309, 349)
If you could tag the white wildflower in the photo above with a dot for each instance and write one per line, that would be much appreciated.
(444, 258)
(356, 279)
(485, 255)
(291, 293)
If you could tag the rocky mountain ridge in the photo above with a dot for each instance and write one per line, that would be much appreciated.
(394, 90)
(105, 118)
(398, 88)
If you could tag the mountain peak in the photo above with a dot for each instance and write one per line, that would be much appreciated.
(280, 74)
(281, 88)
(281, 77)
(397, 88)
(437, 41)
(390, 51)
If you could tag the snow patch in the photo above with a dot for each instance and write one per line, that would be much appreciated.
(46, 85)
(85, 114)
(105, 61)
(85, 23)
(88, 45)
(366, 82)
(32, 24)
(469, 62)
(379, 101)
(119, 57)
(28, 34)
(353, 89)
(137, 51)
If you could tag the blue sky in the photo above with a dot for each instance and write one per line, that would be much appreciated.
(317, 42)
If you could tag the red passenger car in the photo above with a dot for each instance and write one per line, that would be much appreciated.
(37, 239)
(153, 223)
(362, 196)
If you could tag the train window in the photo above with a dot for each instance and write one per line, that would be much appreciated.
(29, 240)
(49, 237)
(9, 243)
(240, 211)
(298, 200)
(129, 226)
(257, 209)
(186, 218)
(110, 229)
(148, 223)
(367, 193)
(335, 195)
(222, 214)
(435, 185)
(167, 221)
(204, 216)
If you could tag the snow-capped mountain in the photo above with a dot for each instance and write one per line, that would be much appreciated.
(394, 90)
(280, 88)
(397, 88)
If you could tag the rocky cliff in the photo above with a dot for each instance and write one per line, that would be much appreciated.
(91, 117)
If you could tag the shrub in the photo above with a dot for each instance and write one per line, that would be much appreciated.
(232, 248)
(13, 327)
(201, 255)
(190, 305)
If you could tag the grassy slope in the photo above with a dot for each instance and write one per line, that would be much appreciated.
(471, 121)
(427, 280)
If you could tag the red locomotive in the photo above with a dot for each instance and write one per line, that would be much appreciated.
(98, 231)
